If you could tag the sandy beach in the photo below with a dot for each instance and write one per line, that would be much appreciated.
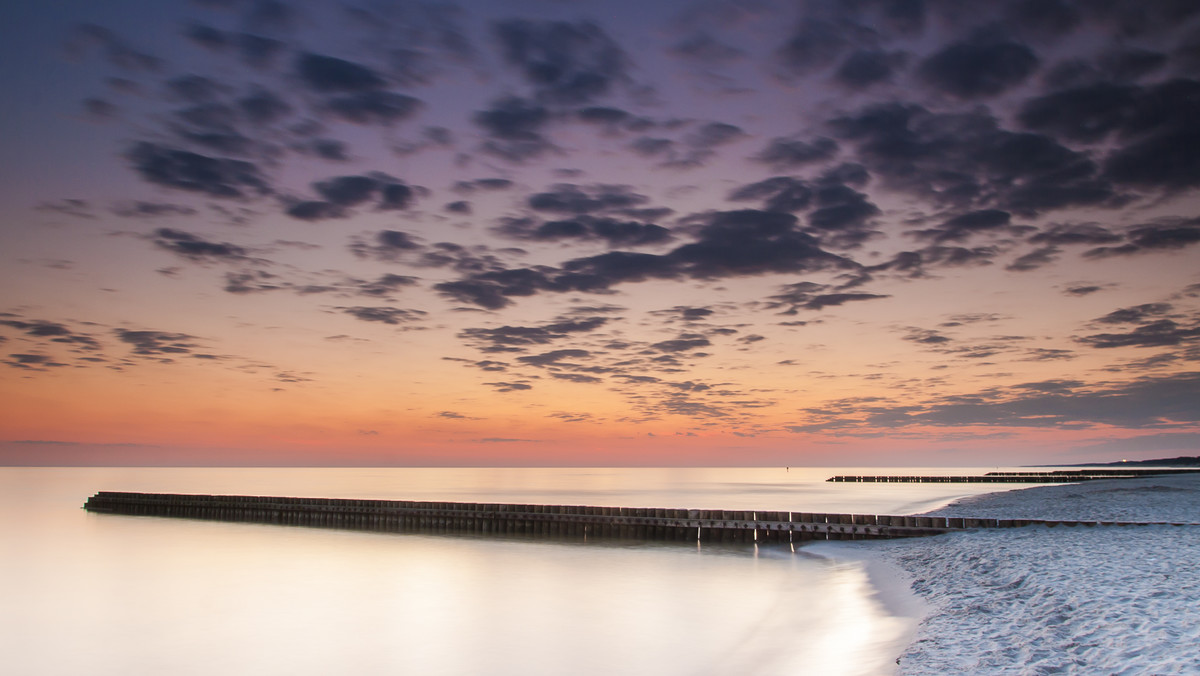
(1040, 600)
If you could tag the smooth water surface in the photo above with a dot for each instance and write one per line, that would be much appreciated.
(105, 594)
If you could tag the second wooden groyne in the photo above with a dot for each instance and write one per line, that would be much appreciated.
(554, 521)
(1048, 477)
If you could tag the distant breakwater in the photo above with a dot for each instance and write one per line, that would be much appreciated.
(544, 521)
(1053, 477)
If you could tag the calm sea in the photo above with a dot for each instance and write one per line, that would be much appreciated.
(97, 594)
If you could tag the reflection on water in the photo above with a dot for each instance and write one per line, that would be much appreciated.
(103, 594)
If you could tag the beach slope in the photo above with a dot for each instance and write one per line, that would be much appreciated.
(1060, 600)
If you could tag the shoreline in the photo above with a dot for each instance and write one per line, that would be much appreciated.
(1037, 599)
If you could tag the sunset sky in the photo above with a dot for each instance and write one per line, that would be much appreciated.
(534, 232)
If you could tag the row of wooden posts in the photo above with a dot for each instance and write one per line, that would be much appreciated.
(553, 521)
(970, 479)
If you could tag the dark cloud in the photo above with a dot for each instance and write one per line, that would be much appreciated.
(751, 242)
(963, 226)
(967, 160)
(1083, 290)
(840, 207)
(384, 314)
(979, 67)
(1093, 113)
(1160, 333)
(576, 378)
(787, 153)
(784, 194)
(206, 36)
(373, 107)
(811, 296)
(514, 338)
(460, 258)
(490, 366)
(685, 342)
(1169, 235)
(926, 337)
(493, 289)
(328, 74)
(1153, 123)
(342, 192)
(252, 281)
(468, 187)
(713, 134)
(509, 387)
(194, 88)
(270, 15)
(613, 232)
(566, 198)
(1135, 314)
(157, 343)
(691, 314)
(394, 195)
(727, 244)
(31, 362)
(388, 246)
(76, 208)
(1044, 18)
(314, 210)
(867, 67)
(347, 191)
(554, 357)
(384, 285)
(706, 48)
(814, 44)
(324, 148)
(262, 106)
(651, 147)
(195, 248)
(99, 110)
(1048, 354)
(569, 63)
(1034, 259)
(256, 51)
(139, 209)
(697, 147)
(1129, 64)
(515, 127)
(53, 332)
(1147, 402)
(458, 207)
(193, 172)
(956, 256)
(1169, 160)
(1075, 233)
(213, 127)
(1142, 403)
(116, 50)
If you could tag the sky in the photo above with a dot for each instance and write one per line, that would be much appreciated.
(535, 232)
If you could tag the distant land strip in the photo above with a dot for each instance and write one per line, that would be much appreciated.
(1055, 477)
(1181, 461)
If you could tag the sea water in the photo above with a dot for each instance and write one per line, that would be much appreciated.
(105, 594)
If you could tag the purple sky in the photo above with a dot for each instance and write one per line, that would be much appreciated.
(533, 232)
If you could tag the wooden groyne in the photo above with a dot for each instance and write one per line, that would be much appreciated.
(553, 521)
(1051, 477)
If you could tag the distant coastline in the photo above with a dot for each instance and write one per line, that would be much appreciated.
(1181, 461)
